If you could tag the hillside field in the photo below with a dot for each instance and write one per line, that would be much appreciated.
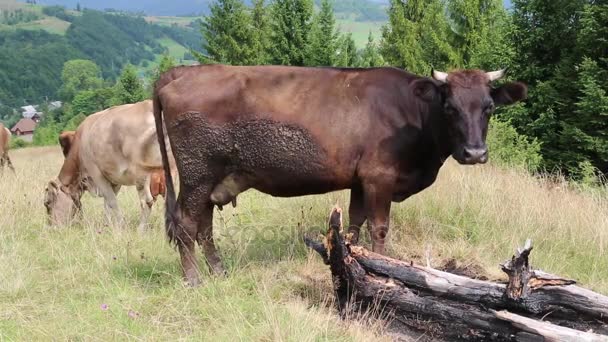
(94, 282)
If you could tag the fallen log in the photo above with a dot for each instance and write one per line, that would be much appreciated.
(460, 307)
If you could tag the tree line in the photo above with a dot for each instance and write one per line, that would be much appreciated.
(85, 92)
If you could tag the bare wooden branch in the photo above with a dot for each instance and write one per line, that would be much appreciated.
(461, 306)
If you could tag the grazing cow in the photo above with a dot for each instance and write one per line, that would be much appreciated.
(110, 149)
(5, 137)
(384, 133)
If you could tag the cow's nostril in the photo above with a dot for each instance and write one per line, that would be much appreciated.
(466, 153)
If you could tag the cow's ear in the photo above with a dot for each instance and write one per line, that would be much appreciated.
(426, 89)
(65, 140)
(509, 93)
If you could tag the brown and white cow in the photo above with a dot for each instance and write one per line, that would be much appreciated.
(5, 137)
(113, 148)
(383, 133)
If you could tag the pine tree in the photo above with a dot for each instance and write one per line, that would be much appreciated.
(544, 38)
(129, 88)
(323, 40)
(592, 38)
(480, 33)
(370, 57)
(416, 37)
(261, 29)
(290, 31)
(228, 35)
(166, 62)
(348, 56)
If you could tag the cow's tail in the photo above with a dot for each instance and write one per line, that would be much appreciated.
(171, 219)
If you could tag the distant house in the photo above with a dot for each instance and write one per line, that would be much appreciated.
(24, 129)
(55, 105)
(29, 112)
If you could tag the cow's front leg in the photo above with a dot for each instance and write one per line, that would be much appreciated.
(145, 202)
(378, 197)
(356, 212)
(110, 202)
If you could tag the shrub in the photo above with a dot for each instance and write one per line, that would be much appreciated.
(47, 135)
(511, 149)
(19, 143)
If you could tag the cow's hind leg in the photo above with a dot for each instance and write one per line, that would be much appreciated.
(205, 239)
(195, 213)
(8, 161)
(145, 202)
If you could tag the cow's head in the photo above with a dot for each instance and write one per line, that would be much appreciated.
(468, 98)
(61, 202)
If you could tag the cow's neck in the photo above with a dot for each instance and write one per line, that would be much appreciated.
(69, 176)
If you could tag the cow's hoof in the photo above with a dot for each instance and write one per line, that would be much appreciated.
(192, 282)
(218, 270)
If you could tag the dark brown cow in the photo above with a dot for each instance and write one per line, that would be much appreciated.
(290, 131)
(5, 137)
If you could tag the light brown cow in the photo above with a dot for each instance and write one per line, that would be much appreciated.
(113, 148)
(5, 136)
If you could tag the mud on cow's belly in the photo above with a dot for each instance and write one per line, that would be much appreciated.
(276, 158)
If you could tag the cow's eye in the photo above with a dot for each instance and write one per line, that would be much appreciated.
(488, 109)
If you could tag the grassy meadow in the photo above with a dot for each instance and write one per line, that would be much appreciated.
(94, 282)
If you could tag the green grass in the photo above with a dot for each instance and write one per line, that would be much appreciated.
(168, 20)
(50, 24)
(360, 30)
(175, 50)
(54, 281)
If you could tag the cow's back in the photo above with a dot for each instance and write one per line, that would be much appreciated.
(306, 126)
(121, 142)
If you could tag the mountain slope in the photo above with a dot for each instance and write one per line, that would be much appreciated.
(152, 7)
(36, 41)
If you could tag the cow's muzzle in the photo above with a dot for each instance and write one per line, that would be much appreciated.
(472, 155)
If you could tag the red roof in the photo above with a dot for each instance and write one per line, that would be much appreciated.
(24, 126)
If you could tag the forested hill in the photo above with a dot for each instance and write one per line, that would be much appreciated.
(367, 8)
(363, 9)
(36, 41)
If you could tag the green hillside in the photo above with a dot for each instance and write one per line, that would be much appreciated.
(35, 41)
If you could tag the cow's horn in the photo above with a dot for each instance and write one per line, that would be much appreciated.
(495, 75)
(440, 76)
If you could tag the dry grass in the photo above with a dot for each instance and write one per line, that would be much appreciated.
(53, 282)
